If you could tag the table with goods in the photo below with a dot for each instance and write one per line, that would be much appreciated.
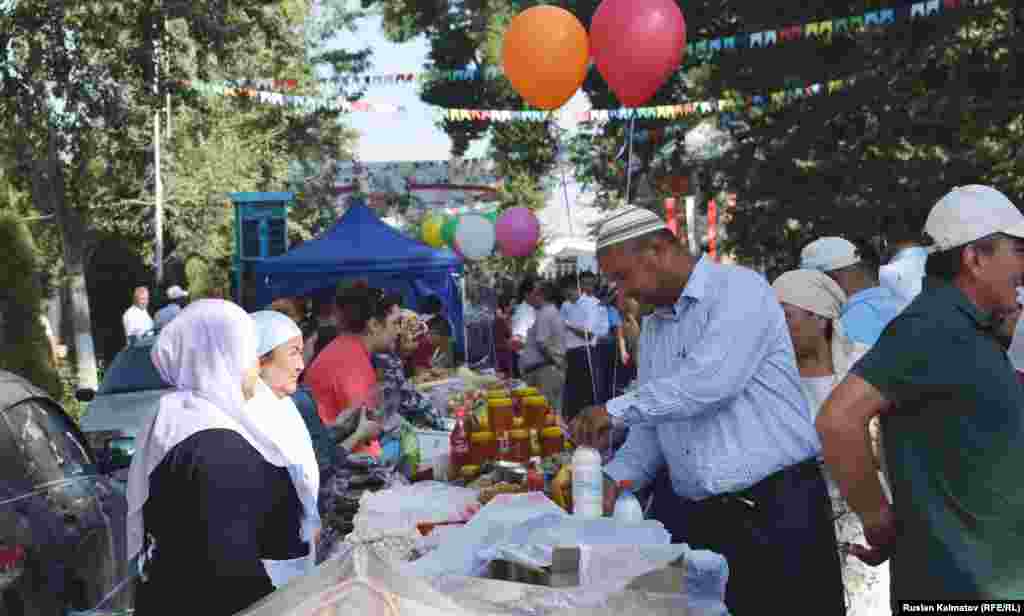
(501, 516)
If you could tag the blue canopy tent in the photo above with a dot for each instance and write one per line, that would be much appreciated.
(361, 246)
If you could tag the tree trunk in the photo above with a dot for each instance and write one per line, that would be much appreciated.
(74, 240)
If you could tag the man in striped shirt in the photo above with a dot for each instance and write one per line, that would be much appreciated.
(718, 420)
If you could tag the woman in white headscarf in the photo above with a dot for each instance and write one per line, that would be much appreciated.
(279, 345)
(210, 497)
(812, 303)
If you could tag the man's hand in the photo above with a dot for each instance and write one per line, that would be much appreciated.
(881, 530)
(593, 428)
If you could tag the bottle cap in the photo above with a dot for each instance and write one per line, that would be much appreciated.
(626, 484)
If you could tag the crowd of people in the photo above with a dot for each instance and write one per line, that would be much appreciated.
(755, 419)
(847, 432)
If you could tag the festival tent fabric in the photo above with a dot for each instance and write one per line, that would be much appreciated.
(362, 247)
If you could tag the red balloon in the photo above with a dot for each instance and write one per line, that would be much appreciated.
(637, 44)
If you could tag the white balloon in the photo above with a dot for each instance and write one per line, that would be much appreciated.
(474, 236)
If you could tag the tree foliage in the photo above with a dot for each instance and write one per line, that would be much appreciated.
(82, 81)
(24, 349)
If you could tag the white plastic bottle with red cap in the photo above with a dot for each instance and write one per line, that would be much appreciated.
(627, 507)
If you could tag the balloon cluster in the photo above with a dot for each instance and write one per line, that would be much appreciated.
(475, 236)
(636, 45)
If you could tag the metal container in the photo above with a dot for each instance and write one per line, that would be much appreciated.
(509, 472)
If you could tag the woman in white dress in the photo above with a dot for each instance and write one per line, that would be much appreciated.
(812, 303)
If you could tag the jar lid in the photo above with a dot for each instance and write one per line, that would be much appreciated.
(481, 436)
(499, 402)
(535, 401)
(525, 392)
(497, 393)
(551, 432)
(470, 470)
(519, 434)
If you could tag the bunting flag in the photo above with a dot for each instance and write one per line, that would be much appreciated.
(699, 51)
(754, 104)
(306, 103)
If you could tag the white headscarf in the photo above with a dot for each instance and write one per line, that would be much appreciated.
(281, 419)
(817, 293)
(204, 354)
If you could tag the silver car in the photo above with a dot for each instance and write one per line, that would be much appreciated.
(128, 397)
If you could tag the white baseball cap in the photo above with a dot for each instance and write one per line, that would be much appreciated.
(176, 292)
(827, 254)
(969, 213)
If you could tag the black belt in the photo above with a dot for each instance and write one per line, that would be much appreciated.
(747, 496)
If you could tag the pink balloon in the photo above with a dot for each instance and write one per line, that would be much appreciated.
(517, 232)
(637, 44)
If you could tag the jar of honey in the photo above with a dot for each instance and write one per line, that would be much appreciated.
(535, 410)
(551, 441)
(470, 472)
(519, 446)
(483, 448)
(502, 414)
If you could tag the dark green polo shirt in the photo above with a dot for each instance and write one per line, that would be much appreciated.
(954, 447)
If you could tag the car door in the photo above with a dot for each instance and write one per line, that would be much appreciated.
(74, 518)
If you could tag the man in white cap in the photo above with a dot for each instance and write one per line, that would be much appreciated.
(719, 408)
(952, 412)
(870, 307)
(176, 300)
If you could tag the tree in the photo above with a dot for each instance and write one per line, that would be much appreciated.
(934, 105)
(24, 348)
(82, 81)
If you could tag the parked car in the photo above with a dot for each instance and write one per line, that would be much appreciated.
(62, 524)
(127, 398)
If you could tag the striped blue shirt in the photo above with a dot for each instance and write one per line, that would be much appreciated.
(719, 398)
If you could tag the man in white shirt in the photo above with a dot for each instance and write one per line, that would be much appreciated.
(718, 424)
(136, 319)
(177, 297)
(523, 317)
(586, 322)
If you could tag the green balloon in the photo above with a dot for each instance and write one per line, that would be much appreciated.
(448, 229)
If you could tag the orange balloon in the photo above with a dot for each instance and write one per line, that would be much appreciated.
(545, 55)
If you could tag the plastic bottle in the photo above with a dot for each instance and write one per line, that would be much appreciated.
(534, 478)
(587, 483)
(627, 507)
(459, 442)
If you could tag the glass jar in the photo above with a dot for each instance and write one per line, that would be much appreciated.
(483, 448)
(535, 410)
(470, 472)
(502, 414)
(519, 446)
(551, 441)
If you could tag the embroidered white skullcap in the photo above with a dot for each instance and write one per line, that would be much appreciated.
(628, 223)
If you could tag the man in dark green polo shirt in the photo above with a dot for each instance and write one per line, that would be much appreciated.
(952, 413)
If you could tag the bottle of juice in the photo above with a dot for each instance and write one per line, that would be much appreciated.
(459, 441)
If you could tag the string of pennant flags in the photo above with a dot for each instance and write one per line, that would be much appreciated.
(793, 92)
(700, 51)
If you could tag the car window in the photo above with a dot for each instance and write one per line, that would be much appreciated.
(132, 370)
(50, 445)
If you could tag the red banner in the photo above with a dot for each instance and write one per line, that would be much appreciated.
(670, 216)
